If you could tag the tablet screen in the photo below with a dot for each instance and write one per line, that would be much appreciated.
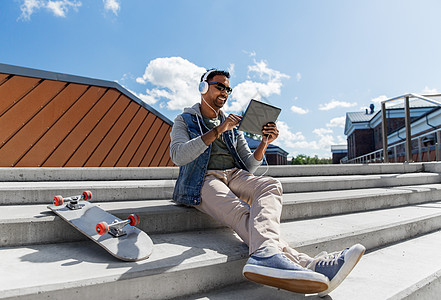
(257, 115)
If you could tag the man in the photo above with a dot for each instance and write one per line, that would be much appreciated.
(215, 176)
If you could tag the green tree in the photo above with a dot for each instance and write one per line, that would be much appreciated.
(303, 159)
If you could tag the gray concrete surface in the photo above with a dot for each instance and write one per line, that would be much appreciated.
(192, 254)
(391, 273)
(17, 221)
(108, 174)
(325, 208)
(42, 192)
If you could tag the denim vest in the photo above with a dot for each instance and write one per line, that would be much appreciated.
(191, 176)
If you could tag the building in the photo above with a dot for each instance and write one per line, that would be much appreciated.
(50, 119)
(364, 129)
(274, 154)
(339, 152)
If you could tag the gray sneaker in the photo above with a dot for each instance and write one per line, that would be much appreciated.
(281, 272)
(337, 265)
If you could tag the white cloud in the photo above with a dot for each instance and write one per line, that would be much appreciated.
(299, 110)
(334, 104)
(326, 139)
(112, 5)
(231, 69)
(337, 122)
(297, 143)
(249, 89)
(28, 8)
(249, 53)
(58, 8)
(287, 138)
(379, 99)
(176, 80)
(429, 91)
(298, 76)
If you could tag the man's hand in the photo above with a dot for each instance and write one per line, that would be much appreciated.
(229, 123)
(269, 132)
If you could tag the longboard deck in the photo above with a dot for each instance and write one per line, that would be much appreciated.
(134, 246)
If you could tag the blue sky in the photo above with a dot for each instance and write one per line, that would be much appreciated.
(316, 59)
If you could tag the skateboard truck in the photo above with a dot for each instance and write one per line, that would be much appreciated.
(116, 227)
(72, 200)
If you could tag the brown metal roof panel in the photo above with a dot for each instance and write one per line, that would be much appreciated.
(112, 135)
(77, 136)
(22, 111)
(154, 146)
(50, 141)
(170, 163)
(28, 72)
(28, 136)
(163, 137)
(146, 144)
(166, 152)
(93, 141)
(99, 132)
(109, 138)
(124, 160)
(14, 89)
(3, 77)
(121, 145)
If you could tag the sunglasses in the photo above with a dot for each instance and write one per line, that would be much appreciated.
(222, 87)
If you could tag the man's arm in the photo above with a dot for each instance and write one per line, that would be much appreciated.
(269, 134)
(229, 123)
(184, 150)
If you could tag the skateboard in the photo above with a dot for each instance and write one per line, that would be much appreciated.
(118, 237)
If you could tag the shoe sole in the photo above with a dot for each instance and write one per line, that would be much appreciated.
(296, 281)
(346, 269)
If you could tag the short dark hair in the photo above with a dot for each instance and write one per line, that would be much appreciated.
(215, 72)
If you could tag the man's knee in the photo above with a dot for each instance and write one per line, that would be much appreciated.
(275, 184)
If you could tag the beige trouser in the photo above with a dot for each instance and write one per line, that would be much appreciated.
(251, 206)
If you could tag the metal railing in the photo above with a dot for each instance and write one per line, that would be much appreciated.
(382, 155)
(395, 154)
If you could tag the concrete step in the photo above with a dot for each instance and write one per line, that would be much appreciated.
(332, 183)
(110, 174)
(191, 262)
(33, 224)
(393, 272)
(12, 193)
(407, 270)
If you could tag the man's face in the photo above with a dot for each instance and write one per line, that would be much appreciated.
(214, 96)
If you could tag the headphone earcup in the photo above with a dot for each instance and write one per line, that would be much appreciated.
(203, 87)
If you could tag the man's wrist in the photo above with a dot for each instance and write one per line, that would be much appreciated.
(216, 131)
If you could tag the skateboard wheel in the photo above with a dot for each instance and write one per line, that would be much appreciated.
(134, 219)
(87, 195)
(102, 228)
(58, 200)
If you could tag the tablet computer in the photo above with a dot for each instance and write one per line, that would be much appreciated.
(257, 115)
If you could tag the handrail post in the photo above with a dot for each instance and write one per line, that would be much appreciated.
(384, 131)
(420, 149)
(438, 141)
(395, 154)
(408, 133)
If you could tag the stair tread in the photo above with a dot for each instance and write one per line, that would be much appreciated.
(75, 174)
(44, 267)
(393, 270)
(312, 231)
(36, 212)
(51, 185)
(390, 271)
(40, 211)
